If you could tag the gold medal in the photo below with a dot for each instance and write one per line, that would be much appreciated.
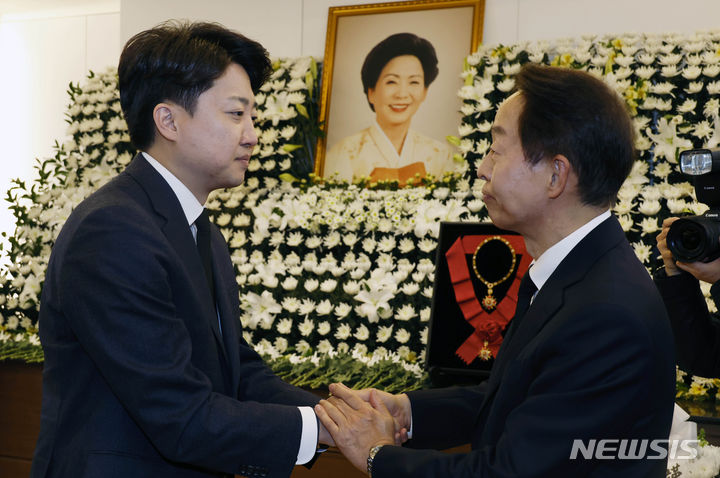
(490, 302)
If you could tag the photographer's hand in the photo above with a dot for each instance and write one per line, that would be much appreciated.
(671, 268)
(705, 271)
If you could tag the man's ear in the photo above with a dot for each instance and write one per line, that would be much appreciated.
(164, 118)
(560, 174)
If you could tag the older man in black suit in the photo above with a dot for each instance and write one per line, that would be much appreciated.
(592, 356)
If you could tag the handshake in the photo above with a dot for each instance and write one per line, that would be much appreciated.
(360, 420)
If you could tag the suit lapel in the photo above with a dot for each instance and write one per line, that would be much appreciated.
(178, 233)
(550, 297)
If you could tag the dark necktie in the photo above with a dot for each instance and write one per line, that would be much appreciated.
(525, 293)
(202, 223)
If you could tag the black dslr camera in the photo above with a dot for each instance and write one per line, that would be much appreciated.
(697, 238)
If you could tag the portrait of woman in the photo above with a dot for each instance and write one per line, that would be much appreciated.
(395, 76)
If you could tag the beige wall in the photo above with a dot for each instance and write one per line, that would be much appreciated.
(41, 53)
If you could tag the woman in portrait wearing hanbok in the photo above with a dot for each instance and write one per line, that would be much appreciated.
(395, 76)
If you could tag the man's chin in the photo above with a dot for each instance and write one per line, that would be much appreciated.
(232, 182)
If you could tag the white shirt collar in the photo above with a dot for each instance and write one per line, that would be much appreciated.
(189, 203)
(543, 267)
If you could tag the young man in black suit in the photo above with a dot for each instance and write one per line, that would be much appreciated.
(592, 356)
(146, 371)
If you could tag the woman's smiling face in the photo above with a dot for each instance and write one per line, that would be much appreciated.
(399, 91)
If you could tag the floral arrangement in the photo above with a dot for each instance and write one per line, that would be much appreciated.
(335, 278)
(705, 465)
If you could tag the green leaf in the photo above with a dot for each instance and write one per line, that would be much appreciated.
(291, 147)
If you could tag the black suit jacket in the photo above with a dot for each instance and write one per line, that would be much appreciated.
(138, 380)
(591, 359)
(696, 331)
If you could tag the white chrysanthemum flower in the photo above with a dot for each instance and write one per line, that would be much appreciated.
(302, 347)
(506, 85)
(357, 273)
(649, 225)
(646, 58)
(328, 285)
(384, 333)
(688, 106)
(427, 245)
(713, 88)
(289, 283)
(662, 170)
(349, 239)
(642, 251)
(296, 270)
(703, 130)
(307, 306)
(311, 285)
(698, 208)
(691, 72)
(352, 287)
(313, 242)
(405, 313)
(411, 288)
(677, 206)
(323, 327)
(343, 332)
(694, 87)
(467, 109)
(670, 71)
(387, 244)
(342, 310)
(402, 336)
(624, 206)
(280, 344)
(406, 245)
(649, 208)
(626, 222)
(291, 304)
(645, 72)
(711, 71)
(362, 333)
(325, 347)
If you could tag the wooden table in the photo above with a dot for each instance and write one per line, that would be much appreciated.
(20, 397)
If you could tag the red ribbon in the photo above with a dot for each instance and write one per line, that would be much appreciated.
(488, 326)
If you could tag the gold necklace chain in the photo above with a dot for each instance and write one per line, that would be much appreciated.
(490, 302)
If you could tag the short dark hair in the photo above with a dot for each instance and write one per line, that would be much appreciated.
(575, 114)
(178, 61)
(393, 46)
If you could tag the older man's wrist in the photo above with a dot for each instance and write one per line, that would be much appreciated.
(371, 458)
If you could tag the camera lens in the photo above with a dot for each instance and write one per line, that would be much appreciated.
(691, 239)
(694, 239)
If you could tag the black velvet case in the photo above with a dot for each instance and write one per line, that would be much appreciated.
(449, 329)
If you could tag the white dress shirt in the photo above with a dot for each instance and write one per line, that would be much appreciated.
(543, 267)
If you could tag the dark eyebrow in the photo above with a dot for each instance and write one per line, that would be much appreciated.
(241, 99)
(498, 130)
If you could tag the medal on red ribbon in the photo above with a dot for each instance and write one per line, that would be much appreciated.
(490, 316)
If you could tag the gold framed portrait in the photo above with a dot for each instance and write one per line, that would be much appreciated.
(390, 79)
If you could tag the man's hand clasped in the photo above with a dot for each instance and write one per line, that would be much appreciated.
(359, 420)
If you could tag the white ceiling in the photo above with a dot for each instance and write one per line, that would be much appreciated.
(48, 8)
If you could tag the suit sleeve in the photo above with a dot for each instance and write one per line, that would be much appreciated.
(115, 291)
(696, 331)
(444, 418)
(585, 382)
